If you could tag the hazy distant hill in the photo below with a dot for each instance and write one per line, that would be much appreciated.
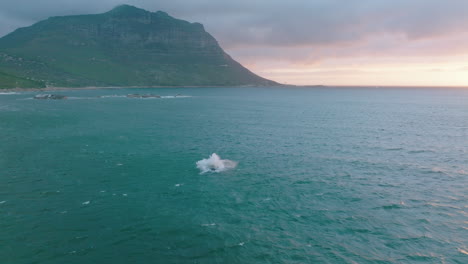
(126, 46)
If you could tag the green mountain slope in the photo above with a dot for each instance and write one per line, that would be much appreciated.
(11, 81)
(126, 46)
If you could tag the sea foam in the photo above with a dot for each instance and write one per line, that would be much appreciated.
(215, 164)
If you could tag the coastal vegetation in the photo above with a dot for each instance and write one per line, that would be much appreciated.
(126, 46)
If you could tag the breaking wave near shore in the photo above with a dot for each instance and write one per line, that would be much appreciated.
(215, 164)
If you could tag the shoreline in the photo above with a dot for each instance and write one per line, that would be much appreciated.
(51, 89)
(126, 87)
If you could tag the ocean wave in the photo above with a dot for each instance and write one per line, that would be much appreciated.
(419, 151)
(392, 206)
(112, 96)
(142, 96)
(441, 205)
(393, 149)
(420, 257)
(8, 93)
(215, 164)
(80, 98)
(159, 97)
(210, 224)
(175, 96)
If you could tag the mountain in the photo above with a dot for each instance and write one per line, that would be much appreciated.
(126, 46)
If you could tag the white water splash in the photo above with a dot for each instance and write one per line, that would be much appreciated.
(215, 164)
(112, 96)
(210, 224)
(175, 96)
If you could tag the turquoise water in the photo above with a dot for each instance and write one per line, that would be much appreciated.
(324, 175)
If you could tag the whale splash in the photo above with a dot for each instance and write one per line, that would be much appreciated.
(215, 164)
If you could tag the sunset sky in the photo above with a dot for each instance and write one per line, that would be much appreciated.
(330, 42)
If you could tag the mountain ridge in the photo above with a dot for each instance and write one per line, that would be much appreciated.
(126, 46)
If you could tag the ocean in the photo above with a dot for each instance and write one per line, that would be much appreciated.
(235, 175)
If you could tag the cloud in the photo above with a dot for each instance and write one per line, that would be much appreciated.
(267, 34)
(282, 23)
(324, 27)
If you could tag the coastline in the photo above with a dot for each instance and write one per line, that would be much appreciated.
(48, 89)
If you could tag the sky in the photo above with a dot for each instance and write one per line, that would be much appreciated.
(310, 42)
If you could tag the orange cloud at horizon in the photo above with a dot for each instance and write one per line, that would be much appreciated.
(372, 74)
(382, 60)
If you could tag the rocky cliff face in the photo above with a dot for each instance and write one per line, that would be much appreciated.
(126, 46)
